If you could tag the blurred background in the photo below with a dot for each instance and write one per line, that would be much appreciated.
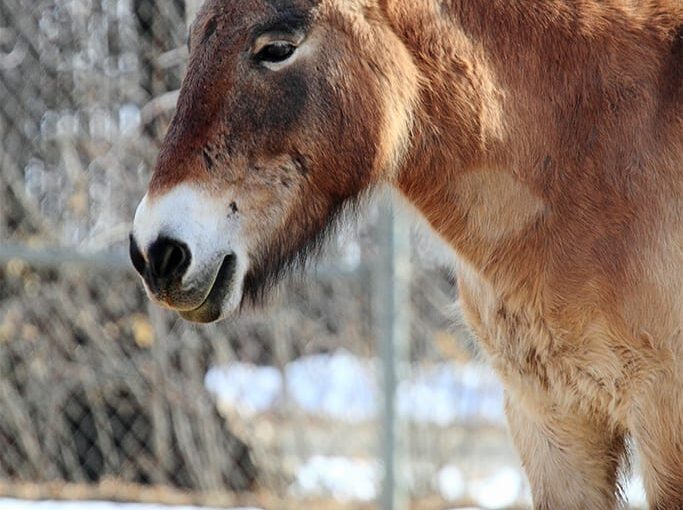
(356, 387)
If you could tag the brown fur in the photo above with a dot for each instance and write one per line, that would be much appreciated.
(543, 140)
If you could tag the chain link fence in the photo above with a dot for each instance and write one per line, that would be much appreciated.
(104, 395)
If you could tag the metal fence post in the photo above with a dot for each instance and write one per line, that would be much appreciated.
(392, 302)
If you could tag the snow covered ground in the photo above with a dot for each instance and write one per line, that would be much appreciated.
(359, 480)
(344, 387)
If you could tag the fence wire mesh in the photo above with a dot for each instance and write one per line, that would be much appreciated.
(97, 386)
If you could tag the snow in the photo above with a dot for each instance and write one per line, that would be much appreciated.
(502, 489)
(451, 483)
(450, 393)
(339, 386)
(342, 478)
(15, 504)
(344, 387)
(347, 479)
(248, 388)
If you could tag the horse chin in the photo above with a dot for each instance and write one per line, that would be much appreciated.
(224, 297)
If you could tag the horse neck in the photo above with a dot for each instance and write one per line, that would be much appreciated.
(528, 115)
(458, 171)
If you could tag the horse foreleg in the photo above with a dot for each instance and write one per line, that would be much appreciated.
(571, 461)
(657, 426)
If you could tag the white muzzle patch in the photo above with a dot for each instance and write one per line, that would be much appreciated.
(207, 225)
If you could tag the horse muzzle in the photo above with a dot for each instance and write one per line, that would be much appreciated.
(186, 256)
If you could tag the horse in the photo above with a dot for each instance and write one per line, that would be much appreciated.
(541, 140)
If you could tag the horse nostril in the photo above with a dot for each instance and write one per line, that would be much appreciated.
(136, 256)
(168, 257)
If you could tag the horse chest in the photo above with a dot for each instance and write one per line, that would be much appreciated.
(544, 366)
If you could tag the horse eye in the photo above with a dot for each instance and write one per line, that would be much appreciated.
(275, 52)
